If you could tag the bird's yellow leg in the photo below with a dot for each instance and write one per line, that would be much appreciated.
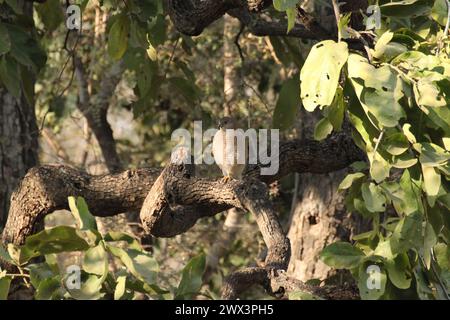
(226, 179)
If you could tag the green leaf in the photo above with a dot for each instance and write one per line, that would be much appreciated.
(5, 41)
(10, 76)
(379, 168)
(5, 283)
(399, 271)
(335, 112)
(396, 144)
(48, 288)
(81, 212)
(4, 255)
(432, 180)
(95, 260)
(407, 233)
(118, 37)
(287, 105)
(341, 255)
(322, 129)
(373, 197)
(112, 236)
(139, 263)
(187, 89)
(291, 16)
(51, 14)
(405, 8)
(349, 179)
(430, 239)
(442, 253)
(371, 283)
(439, 12)
(191, 278)
(120, 287)
(428, 94)
(54, 240)
(39, 272)
(283, 5)
(90, 289)
(380, 46)
(320, 74)
(384, 106)
(431, 155)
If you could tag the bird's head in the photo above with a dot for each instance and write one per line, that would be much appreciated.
(227, 123)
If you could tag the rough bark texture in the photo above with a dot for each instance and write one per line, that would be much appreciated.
(95, 110)
(18, 141)
(319, 216)
(45, 189)
(18, 146)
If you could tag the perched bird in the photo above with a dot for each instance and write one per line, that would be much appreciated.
(225, 149)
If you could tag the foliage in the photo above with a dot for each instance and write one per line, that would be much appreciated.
(94, 278)
(397, 99)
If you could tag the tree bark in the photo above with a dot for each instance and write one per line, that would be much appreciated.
(318, 217)
(18, 146)
(18, 141)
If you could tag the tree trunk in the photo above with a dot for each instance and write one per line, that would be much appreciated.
(318, 216)
(18, 141)
(18, 146)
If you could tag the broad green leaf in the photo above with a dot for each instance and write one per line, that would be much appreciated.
(5, 283)
(371, 281)
(191, 278)
(384, 106)
(442, 253)
(335, 113)
(119, 291)
(51, 13)
(4, 255)
(379, 168)
(157, 34)
(430, 239)
(95, 260)
(283, 5)
(403, 161)
(405, 8)
(341, 255)
(373, 197)
(399, 271)
(48, 288)
(10, 75)
(39, 272)
(90, 289)
(408, 134)
(322, 129)
(409, 198)
(118, 37)
(431, 155)
(120, 236)
(5, 41)
(396, 144)
(81, 212)
(384, 250)
(428, 94)
(54, 240)
(320, 74)
(380, 46)
(139, 263)
(432, 180)
(287, 104)
(439, 12)
(187, 89)
(407, 234)
(291, 16)
(349, 179)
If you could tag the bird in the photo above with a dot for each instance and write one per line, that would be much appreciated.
(225, 149)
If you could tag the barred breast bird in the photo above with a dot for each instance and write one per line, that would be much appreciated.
(228, 155)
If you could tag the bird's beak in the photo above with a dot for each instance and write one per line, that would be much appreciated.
(220, 125)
